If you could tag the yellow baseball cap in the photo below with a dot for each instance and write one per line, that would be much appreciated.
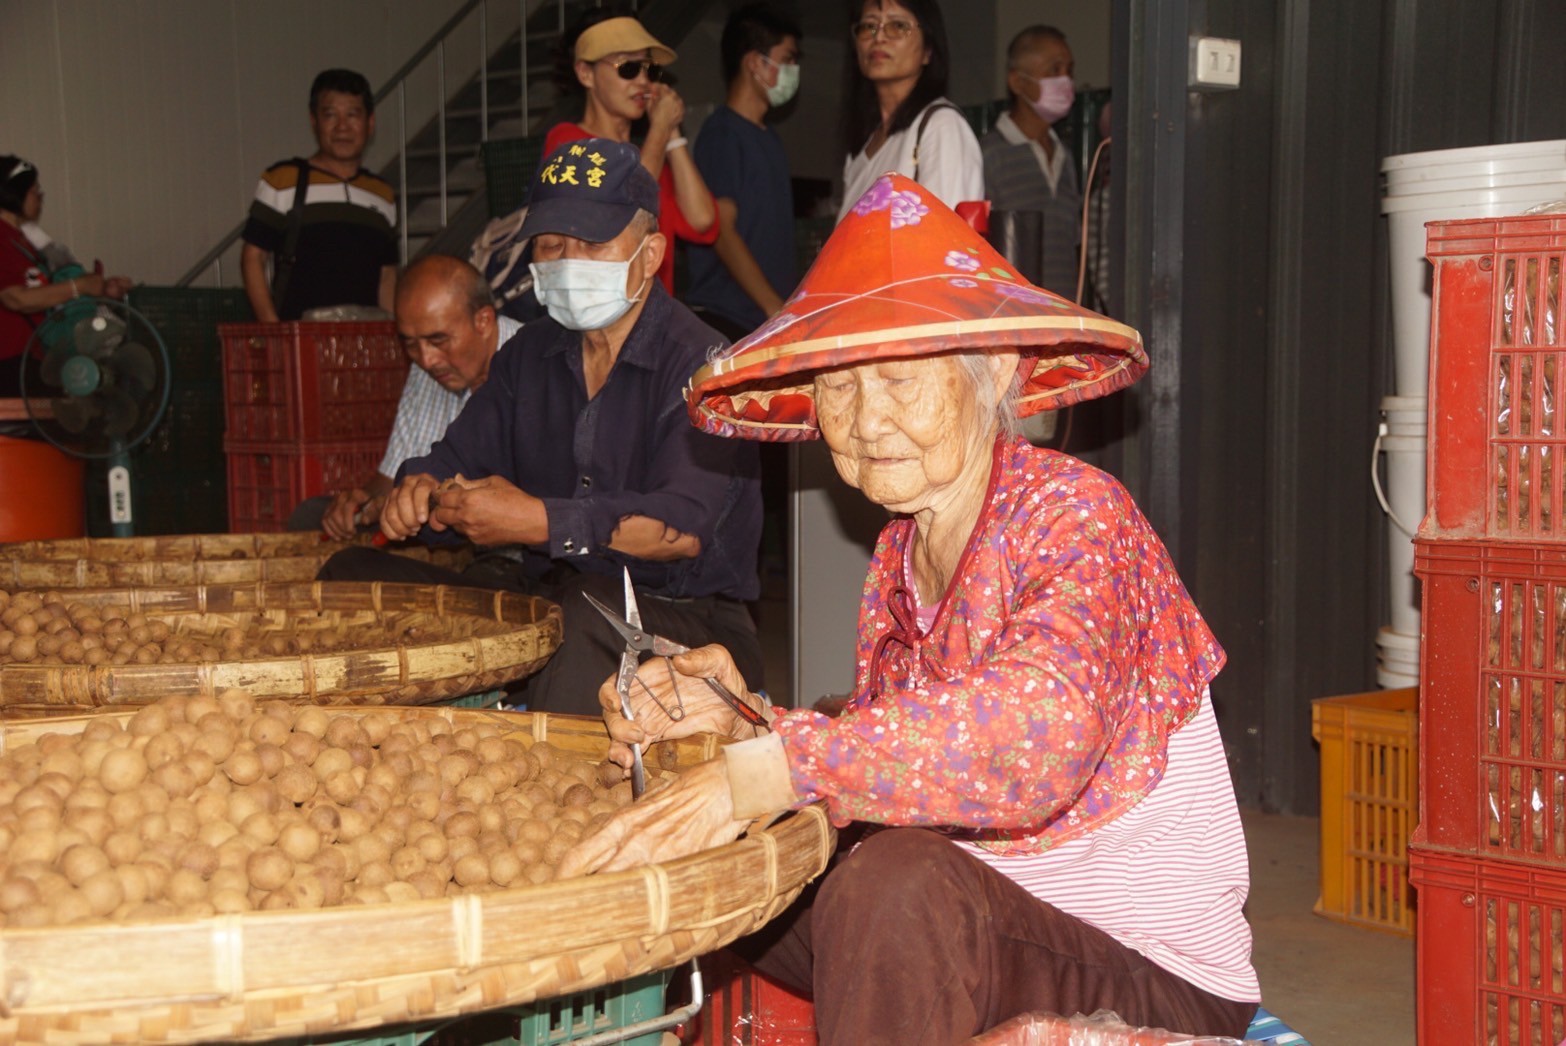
(619, 36)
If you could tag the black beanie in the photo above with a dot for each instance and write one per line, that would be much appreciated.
(16, 177)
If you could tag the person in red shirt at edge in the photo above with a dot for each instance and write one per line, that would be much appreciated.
(617, 64)
(28, 287)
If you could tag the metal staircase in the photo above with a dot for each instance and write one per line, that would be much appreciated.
(437, 169)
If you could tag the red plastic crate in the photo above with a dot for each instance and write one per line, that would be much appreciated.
(1497, 463)
(1492, 722)
(745, 1008)
(1489, 950)
(289, 382)
(266, 481)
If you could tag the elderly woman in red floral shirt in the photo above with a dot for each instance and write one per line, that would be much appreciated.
(1030, 719)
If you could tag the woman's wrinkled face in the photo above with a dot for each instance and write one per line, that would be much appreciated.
(908, 433)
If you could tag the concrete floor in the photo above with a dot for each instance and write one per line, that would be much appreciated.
(1336, 985)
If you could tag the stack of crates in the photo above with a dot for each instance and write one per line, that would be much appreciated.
(1489, 856)
(178, 481)
(309, 407)
(509, 166)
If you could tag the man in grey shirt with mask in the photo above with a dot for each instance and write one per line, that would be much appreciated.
(577, 459)
(1026, 165)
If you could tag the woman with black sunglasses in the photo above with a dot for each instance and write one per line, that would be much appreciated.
(618, 65)
(897, 118)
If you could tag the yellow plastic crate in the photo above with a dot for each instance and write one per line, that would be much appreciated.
(1369, 805)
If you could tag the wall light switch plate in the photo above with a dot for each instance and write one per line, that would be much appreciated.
(1215, 64)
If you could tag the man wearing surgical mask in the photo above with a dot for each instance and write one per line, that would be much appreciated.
(576, 458)
(1026, 165)
(745, 276)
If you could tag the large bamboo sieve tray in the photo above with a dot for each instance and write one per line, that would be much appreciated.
(471, 639)
(184, 559)
(273, 974)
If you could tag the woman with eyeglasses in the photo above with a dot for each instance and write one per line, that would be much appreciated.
(618, 65)
(897, 118)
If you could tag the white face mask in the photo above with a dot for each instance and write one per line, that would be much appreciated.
(787, 85)
(585, 295)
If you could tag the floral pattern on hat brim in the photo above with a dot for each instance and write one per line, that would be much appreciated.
(902, 276)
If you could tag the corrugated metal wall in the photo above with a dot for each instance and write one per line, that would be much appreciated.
(1256, 268)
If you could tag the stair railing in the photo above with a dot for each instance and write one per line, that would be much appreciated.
(398, 84)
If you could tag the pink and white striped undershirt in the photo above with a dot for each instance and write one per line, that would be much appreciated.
(1169, 877)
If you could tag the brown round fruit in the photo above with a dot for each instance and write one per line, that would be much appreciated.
(122, 770)
(269, 869)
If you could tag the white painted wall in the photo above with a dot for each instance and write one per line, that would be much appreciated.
(151, 120)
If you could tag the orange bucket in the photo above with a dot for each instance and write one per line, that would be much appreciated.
(41, 492)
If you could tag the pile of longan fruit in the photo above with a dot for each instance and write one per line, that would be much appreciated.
(46, 628)
(200, 805)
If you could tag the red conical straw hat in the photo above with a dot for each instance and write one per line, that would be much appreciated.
(903, 276)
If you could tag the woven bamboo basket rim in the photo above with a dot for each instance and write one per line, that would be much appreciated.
(409, 673)
(292, 973)
(185, 559)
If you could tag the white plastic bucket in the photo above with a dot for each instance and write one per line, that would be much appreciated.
(1474, 154)
(1403, 442)
(1405, 416)
(1464, 183)
(1482, 182)
(1397, 659)
(1495, 200)
(1405, 172)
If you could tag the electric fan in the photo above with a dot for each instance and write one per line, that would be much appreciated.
(96, 384)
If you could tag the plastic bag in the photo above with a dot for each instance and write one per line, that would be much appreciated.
(1101, 1029)
(345, 314)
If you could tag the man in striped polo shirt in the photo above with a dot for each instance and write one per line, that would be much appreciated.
(1026, 165)
(341, 248)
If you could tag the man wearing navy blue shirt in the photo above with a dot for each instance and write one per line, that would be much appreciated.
(744, 278)
(577, 458)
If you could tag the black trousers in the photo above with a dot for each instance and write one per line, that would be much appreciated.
(907, 940)
(590, 651)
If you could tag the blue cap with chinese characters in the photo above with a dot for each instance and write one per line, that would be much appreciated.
(590, 189)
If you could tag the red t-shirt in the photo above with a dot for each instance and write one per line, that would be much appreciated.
(671, 220)
(20, 266)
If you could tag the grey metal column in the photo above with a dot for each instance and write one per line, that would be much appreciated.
(1280, 721)
(1149, 217)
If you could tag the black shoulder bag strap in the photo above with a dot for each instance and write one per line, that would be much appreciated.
(283, 262)
(919, 134)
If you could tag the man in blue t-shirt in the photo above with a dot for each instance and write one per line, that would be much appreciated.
(744, 278)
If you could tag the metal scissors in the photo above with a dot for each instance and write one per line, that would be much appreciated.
(638, 642)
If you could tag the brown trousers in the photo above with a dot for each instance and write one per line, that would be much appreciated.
(908, 940)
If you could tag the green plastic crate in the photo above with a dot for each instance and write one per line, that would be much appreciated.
(573, 1017)
(982, 116)
(810, 234)
(567, 1019)
(484, 699)
(187, 319)
(509, 164)
(179, 479)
